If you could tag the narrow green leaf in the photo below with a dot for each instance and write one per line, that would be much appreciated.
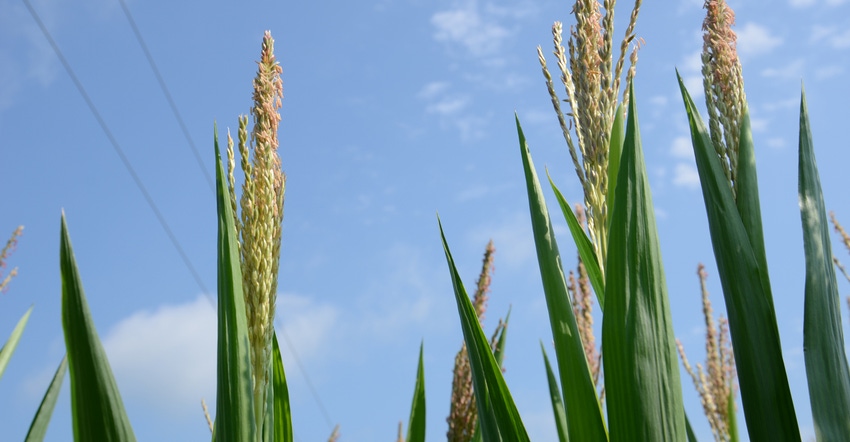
(282, 411)
(96, 406)
(732, 424)
(497, 413)
(747, 200)
(416, 424)
(823, 336)
(584, 246)
(12, 343)
(499, 351)
(584, 413)
(234, 397)
(38, 427)
(555, 397)
(766, 397)
(692, 437)
(614, 152)
(642, 386)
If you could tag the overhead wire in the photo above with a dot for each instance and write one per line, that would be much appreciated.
(137, 180)
(117, 148)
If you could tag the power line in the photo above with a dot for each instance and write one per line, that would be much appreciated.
(125, 160)
(117, 147)
(168, 96)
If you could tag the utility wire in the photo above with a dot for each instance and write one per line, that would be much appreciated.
(125, 160)
(116, 147)
(168, 96)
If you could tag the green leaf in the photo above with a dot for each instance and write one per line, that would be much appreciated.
(416, 424)
(823, 336)
(555, 397)
(497, 413)
(96, 406)
(584, 413)
(614, 152)
(234, 396)
(282, 412)
(732, 424)
(584, 246)
(691, 436)
(765, 394)
(642, 386)
(12, 343)
(38, 427)
(747, 200)
(499, 350)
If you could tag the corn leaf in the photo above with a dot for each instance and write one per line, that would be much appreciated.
(584, 413)
(499, 350)
(691, 436)
(12, 343)
(282, 412)
(747, 200)
(234, 397)
(497, 413)
(584, 246)
(555, 397)
(614, 152)
(644, 393)
(38, 427)
(732, 423)
(416, 424)
(765, 394)
(96, 406)
(823, 336)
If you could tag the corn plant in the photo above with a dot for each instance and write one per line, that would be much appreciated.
(641, 377)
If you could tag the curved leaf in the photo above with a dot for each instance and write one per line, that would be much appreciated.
(96, 406)
(823, 335)
(12, 343)
(416, 424)
(642, 386)
(584, 413)
(38, 427)
(497, 413)
(234, 409)
(765, 395)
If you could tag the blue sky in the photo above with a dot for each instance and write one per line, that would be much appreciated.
(393, 110)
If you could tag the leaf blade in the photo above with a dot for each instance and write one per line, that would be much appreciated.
(642, 384)
(765, 394)
(234, 393)
(38, 427)
(282, 412)
(12, 343)
(823, 336)
(584, 412)
(96, 406)
(416, 423)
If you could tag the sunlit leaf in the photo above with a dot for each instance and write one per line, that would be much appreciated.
(823, 334)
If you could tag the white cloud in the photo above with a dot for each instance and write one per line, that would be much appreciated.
(828, 72)
(685, 175)
(790, 71)
(681, 148)
(831, 36)
(479, 33)
(758, 124)
(512, 236)
(167, 357)
(432, 90)
(448, 106)
(801, 3)
(776, 143)
(694, 85)
(755, 39)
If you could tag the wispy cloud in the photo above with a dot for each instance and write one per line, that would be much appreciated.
(167, 357)
(830, 36)
(681, 148)
(755, 39)
(790, 71)
(685, 175)
(478, 30)
(453, 109)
